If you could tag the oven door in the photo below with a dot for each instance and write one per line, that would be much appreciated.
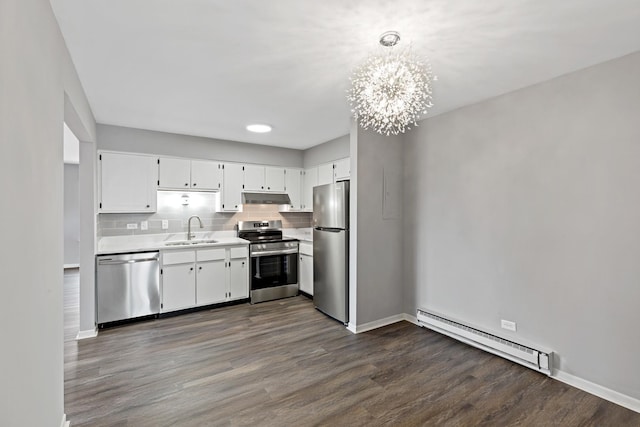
(269, 270)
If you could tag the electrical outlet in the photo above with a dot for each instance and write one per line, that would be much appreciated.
(508, 325)
(165, 224)
(133, 226)
(144, 225)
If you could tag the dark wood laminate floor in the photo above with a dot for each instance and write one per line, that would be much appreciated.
(283, 363)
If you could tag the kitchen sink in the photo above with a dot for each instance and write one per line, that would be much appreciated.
(191, 242)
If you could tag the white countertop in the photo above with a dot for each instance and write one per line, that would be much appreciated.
(154, 242)
(302, 234)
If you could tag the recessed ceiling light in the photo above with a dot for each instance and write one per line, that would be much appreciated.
(259, 128)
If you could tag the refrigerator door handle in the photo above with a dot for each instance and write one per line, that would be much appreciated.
(331, 230)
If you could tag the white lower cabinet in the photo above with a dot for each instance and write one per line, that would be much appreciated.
(192, 278)
(211, 283)
(238, 278)
(178, 280)
(305, 278)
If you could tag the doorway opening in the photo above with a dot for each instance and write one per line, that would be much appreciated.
(71, 215)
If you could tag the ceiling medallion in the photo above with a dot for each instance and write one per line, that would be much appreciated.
(389, 92)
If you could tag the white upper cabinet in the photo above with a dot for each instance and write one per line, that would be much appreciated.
(342, 169)
(274, 179)
(253, 178)
(188, 174)
(293, 187)
(325, 174)
(174, 173)
(309, 180)
(263, 178)
(231, 197)
(206, 175)
(128, 183)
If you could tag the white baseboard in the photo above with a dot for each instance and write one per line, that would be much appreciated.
(83, 335)
(71, 266)
(411, 319)
(64, 422)
(357, 329)
(577, 382)
(598, 390)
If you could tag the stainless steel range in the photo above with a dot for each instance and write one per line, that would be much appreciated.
(274, 260)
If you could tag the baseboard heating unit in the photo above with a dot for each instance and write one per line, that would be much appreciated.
(537, 359)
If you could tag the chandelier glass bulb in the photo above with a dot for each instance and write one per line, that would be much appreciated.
(389, 92)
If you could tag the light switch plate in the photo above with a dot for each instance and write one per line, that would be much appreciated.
(133, 226)
(144, 225)
(165, 224)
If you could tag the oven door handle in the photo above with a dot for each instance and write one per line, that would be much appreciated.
(275, 252)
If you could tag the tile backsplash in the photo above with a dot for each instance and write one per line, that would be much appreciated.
(171, 208)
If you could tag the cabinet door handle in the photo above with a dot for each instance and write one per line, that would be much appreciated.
(194, 184)
(191, 269)
(186, 184)
(199, 268)
(148, 206)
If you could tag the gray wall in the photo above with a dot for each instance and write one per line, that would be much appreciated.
(526, 207)
(146, 141)
(378, 225)
(37, 83)
(71, 215)
(327, 152)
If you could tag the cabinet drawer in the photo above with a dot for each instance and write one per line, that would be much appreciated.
(306, 249)
(241, 252)
(210, 254)
(178, 257)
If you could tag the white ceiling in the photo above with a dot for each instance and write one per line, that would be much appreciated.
(210, 67)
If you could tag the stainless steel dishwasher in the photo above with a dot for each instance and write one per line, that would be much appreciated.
(127, 286)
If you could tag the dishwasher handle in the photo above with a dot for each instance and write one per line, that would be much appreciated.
(131, 261)
(112, 261)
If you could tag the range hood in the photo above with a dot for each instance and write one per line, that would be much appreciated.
(266, 199)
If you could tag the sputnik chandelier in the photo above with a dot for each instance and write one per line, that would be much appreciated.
(389, 92)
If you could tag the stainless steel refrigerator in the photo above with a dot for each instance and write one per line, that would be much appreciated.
(331, 250)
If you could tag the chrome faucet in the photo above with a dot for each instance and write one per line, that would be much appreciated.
(189, 235)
